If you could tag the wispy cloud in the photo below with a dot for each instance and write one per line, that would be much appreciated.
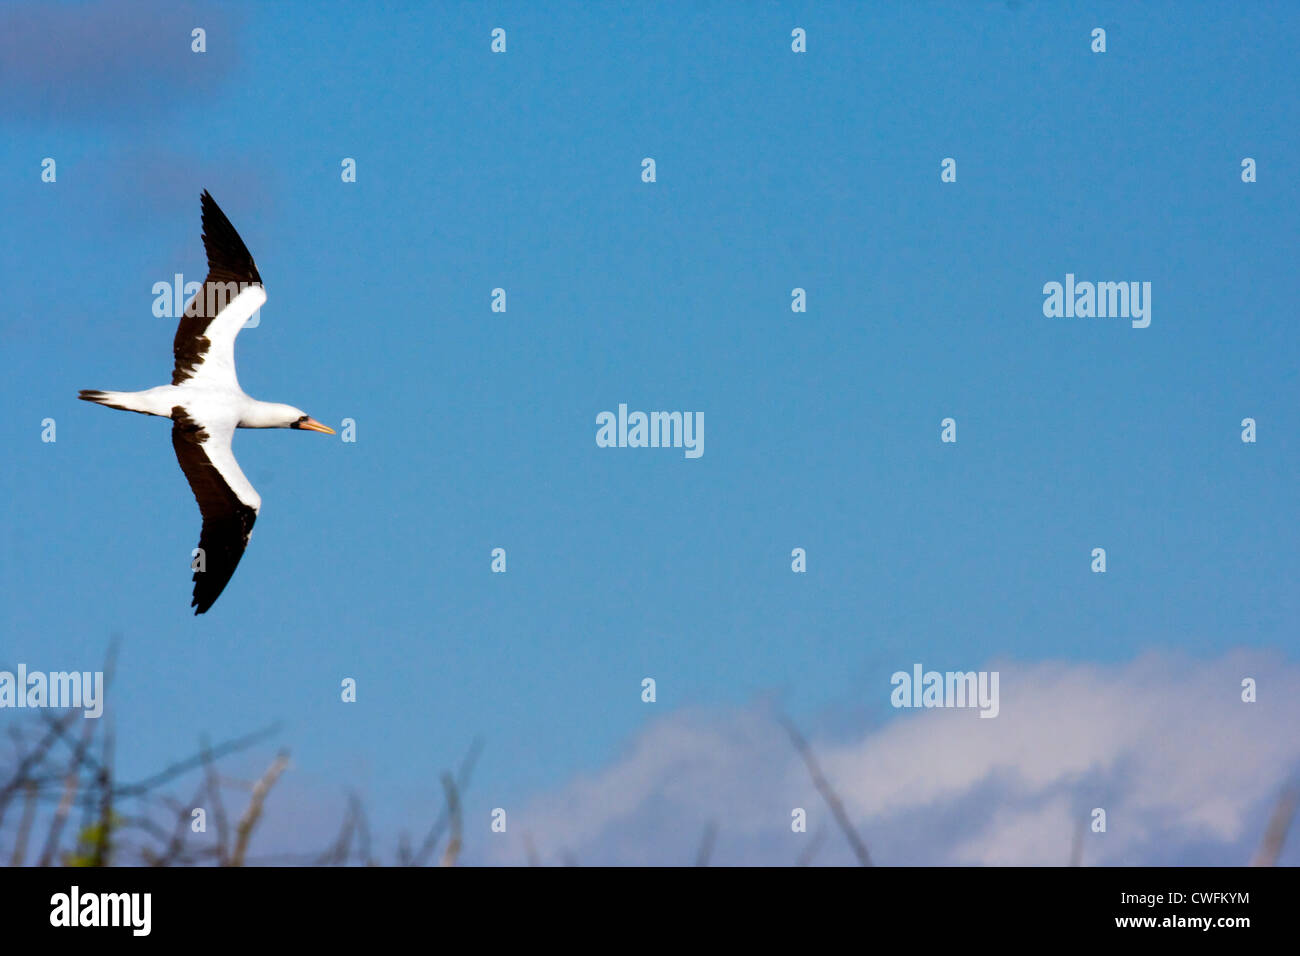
(1185, 771)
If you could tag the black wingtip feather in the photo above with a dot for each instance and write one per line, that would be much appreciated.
(228, 258)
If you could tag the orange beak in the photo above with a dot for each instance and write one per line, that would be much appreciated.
(312, 425)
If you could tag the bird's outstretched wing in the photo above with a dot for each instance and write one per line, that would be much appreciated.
(227, 501)
(204, 346)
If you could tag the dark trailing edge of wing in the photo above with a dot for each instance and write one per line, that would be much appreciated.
(227, 521)
(229, 261)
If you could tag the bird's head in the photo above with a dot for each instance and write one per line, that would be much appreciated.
(305, 421)
(275, 415)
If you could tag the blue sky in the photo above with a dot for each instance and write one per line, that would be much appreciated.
(476, 429)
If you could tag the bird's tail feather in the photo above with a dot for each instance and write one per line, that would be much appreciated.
(120, 400)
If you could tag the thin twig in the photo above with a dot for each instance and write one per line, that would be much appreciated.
(31, 760)
(462, 782)
(828, 794)
(184, 821)
(1270, 848)
(80, 758)
(363, 835)
(213, 796)
(705, 851)
(244, 830)
(103, 847)
(453, 812)
(189, 763)
(806, 855)
(1076, 848)
(24, 826)
(338, 852)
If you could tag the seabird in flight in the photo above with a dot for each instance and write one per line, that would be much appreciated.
(206, 404)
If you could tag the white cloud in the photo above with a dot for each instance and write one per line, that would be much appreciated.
(1185, 770)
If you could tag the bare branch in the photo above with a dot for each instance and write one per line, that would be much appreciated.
(453, 811)
(183, 766)
(706, 843)
(531, 851)
(828, 794)
(1076, 847)
(462, 782)
(244, 830)
(176, 846)
(30, 761)
(80, 758)
(212, 794)
(103, 845)
(363, 835)
(24, 826)
(810, 851)
(1270, 848)
(338, 853)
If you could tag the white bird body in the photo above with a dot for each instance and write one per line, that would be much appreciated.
(206, 404)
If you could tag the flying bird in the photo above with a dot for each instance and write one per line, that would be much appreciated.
(206, 404)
